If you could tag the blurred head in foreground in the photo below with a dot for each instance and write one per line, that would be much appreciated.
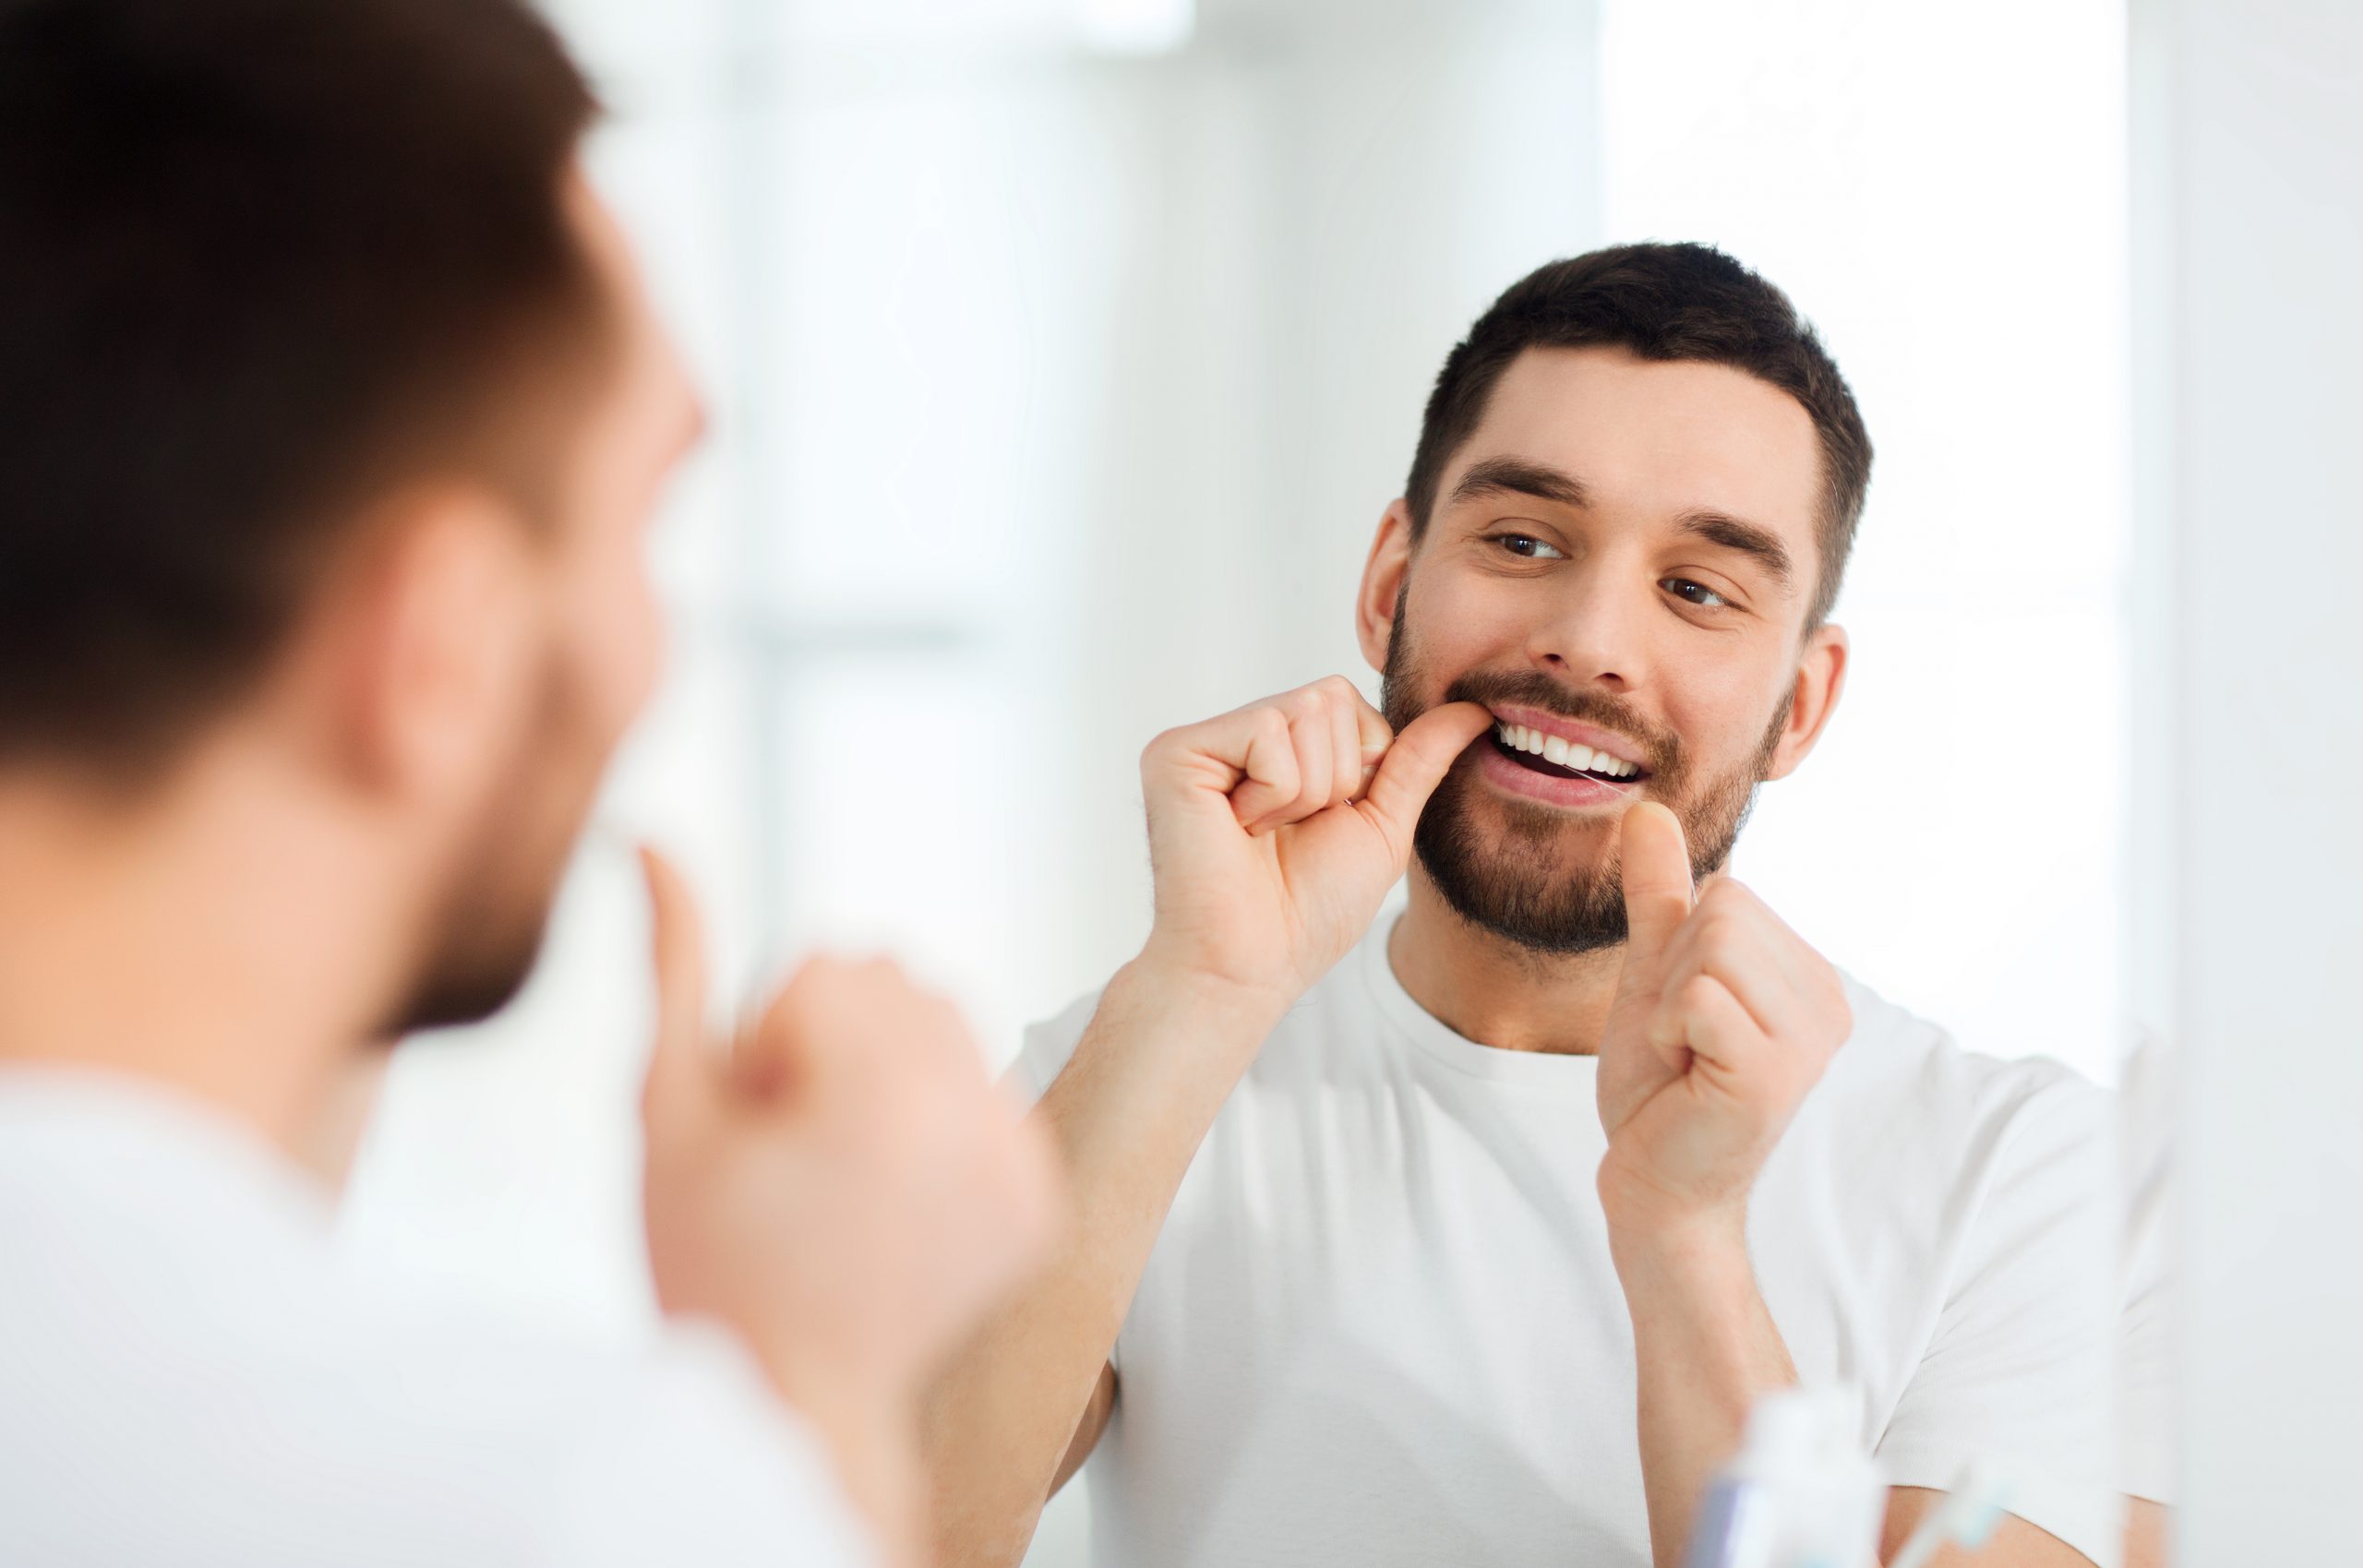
(332, 412)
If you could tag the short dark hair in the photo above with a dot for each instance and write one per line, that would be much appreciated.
(262, 263)
(1662, 302)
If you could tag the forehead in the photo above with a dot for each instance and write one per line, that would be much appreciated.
(640, 414)
(1657, 437)
(649, 371)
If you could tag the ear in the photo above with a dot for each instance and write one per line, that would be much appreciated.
(1821, 678)
(1383, 575)
(430, 642)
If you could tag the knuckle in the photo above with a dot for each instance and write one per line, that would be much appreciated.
(1726, 895)
(794, 998)
(1698, 992)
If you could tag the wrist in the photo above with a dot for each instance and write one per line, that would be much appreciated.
(1165, 1048)
(1691, 1291)
(1652, 1232)
(870, 1434)
(1161, 977)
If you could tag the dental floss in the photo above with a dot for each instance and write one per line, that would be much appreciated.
(1801, 1493)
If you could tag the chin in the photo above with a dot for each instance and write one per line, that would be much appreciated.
(479, 974)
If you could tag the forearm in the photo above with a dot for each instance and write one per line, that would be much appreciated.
(1706, 1347)
(1127, 1114)
(869, 1426)
(876, 1453)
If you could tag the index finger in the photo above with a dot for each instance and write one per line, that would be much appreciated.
(677, 943)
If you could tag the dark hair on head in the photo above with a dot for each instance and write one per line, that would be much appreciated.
(1662, 302)
(262, 264)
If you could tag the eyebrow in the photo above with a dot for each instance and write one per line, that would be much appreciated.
(1515, 476)
(1729, 533)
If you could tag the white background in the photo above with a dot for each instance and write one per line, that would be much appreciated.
(1062, 358)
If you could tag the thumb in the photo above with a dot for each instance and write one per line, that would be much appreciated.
(1656, 868)
(1415, 764)
(677, 1062)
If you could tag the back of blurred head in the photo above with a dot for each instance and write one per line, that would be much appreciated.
(331, 411)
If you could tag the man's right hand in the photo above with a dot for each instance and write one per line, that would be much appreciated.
(845, 1187)
(1275, 831)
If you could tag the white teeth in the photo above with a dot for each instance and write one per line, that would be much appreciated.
(1564, 752)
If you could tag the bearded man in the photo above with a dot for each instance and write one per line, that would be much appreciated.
(1471, 1235)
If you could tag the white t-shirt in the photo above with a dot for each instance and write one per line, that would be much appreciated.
(1381, 1327)
(187, 1378)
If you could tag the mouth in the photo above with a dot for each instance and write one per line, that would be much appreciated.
(1557, 756)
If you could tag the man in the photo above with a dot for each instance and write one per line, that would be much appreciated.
(1478, 1247)
(332, 412)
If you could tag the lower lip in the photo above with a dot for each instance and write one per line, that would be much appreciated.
(1568, 794)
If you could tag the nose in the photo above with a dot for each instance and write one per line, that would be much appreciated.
(1590, 634)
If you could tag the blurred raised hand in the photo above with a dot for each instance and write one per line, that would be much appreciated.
(842, 1186)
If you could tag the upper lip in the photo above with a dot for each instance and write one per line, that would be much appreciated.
(1622, 747)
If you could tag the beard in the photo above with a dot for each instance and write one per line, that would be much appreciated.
(1534, 881)
(486, 935)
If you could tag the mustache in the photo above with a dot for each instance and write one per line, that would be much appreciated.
(1532, 688)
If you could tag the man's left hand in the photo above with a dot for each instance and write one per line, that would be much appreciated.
(1724, 1019)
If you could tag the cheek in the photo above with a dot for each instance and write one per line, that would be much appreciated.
(1459, 623)
(1734, 705)
(616, 632)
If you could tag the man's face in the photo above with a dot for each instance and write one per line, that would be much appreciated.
(1619, 564)
(599, 640)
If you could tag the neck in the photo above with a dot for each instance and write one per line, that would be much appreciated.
(201, 939)
(1493, 992)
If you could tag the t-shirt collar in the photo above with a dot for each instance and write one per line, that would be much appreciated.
(1536, 1070)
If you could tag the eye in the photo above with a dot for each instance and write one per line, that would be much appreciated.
(1694, 592)
(1528, 548)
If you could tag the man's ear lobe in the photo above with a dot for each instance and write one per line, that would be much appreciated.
(1821, 680)
(1382, 584)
